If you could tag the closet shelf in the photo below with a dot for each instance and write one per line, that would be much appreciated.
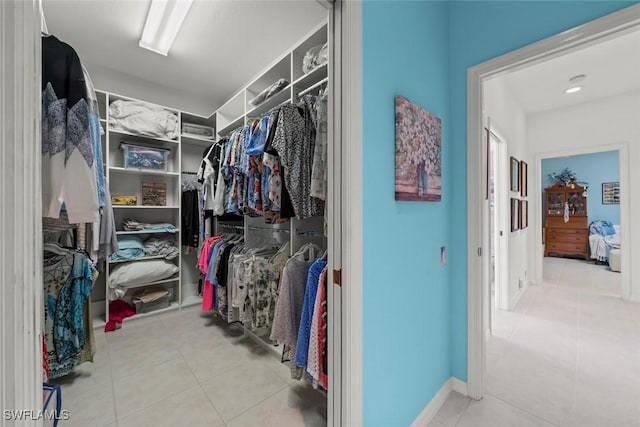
(146, 207)
(121, 261)
(238, 122)
(141, 171)
(147, 231)
(196, 140)
(145, 138)
(312, 77)
(283, 96)
(157, 282)
(172, 307)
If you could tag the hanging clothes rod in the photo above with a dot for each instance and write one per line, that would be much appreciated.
(310, 233)
(314, 86)
(275, 230)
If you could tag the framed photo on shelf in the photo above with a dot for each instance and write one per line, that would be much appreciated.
(611, 193)
(524, 182)
(514, 215)
(154, 194)
(515, 174)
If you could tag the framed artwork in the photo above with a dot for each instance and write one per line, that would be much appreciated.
(524, 182)
(610, 193)
(523, 221)
(154, 194)
(514, 215)
(418, 153)
(515, 174)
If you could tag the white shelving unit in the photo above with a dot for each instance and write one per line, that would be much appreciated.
(186, 152)
(238, 110)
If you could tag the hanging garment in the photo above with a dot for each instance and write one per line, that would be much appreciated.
(319, 167)
(304, 331)
(317, 338)
(67, 153)
(294, 141)
(190, 218)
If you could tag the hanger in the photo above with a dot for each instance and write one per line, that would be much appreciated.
(307, 249)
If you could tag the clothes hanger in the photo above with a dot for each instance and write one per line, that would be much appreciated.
(54, 248)
(307, 249)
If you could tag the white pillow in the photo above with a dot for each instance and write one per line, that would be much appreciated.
(140, 272)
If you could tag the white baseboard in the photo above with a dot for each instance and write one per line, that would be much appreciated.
(459, 386)
(519, 294)
(432, 408)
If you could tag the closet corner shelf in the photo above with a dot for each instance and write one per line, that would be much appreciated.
(238, 122)
(148, 231)
(271, 102)
(196, 140)
(191, 301)
(141, 171)
(99, 322)
(312, 77)
(144, 138)
(172, 307)
(144, 258)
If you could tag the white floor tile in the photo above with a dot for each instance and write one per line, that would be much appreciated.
(572, 357)
(89, 406)
(240, 388)
(189, 408)
(150, 385)
(492, 412)
(291, 407)
(452, 409)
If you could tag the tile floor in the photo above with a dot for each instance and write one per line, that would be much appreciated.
(186, 369)
(567, 355)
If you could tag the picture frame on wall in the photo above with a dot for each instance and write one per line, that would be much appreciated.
(611, 193)
(418, 153)
(515, 174)
(514, 215)
(523, 217)
(524, 181)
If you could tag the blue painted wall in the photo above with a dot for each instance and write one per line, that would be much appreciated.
(406, 293)
(414, 311)
(480, 31)
(594, 168)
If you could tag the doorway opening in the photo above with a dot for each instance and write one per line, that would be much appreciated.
(541, 364)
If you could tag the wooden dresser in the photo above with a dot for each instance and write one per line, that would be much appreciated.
(566, 238)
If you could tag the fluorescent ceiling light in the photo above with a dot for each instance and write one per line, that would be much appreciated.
(573, 89)
(164, 20)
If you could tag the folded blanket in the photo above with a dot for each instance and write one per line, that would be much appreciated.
(601, 227)
(134, 225)
(129, 247)
(166, 247)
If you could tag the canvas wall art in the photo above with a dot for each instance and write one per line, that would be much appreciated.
(418, 153)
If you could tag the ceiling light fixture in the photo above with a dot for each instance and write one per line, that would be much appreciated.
(573, 89)
(164, 19)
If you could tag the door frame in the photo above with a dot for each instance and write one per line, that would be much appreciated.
(593, 32)
(625, 215)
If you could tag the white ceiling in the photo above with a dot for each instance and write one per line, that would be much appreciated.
(220, 47)
(612, 68)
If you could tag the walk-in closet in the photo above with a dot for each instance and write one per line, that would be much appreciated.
(188, 249)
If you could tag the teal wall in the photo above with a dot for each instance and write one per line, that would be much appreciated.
(593, 168)
(405, 290)
(414, 311)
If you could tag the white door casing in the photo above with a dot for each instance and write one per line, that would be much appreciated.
(20, 210)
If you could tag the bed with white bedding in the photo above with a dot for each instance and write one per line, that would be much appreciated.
(603, 237)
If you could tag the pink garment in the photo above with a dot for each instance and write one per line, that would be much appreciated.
(118, 311)
(207, 296)
(203, 261)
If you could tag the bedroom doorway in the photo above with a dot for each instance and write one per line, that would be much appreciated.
(597, 175)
